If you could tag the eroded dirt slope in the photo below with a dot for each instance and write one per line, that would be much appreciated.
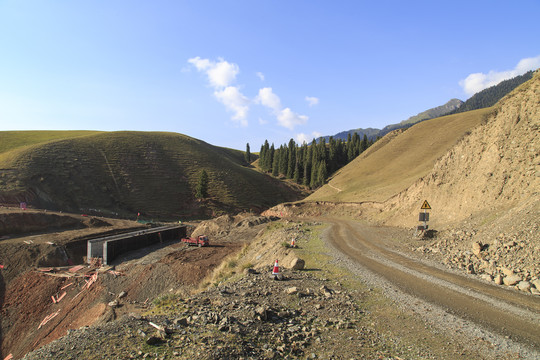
(129, 285)
(496, 167)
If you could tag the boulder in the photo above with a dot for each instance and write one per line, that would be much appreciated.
(486, 277)
(524, 286)
(511, 280)
(292, 290)
(507, 271)
(477, 248)
(498, 279)
(298, 264)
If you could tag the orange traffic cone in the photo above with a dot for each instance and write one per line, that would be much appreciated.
(293, 243)
(276, 269)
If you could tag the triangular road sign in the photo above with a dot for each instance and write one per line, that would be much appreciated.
(425, 206)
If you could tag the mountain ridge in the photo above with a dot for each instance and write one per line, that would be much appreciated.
(482, 99)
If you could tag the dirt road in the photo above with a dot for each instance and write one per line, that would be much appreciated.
(501, 310)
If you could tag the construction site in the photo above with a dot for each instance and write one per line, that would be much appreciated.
(63, 271)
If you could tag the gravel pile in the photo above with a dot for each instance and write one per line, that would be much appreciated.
(256, 317)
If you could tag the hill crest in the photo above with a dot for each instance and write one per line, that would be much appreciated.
(124, 173)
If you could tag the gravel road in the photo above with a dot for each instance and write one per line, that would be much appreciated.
(501, 320)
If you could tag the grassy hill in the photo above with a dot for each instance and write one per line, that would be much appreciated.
(399, 159)
(128, 172)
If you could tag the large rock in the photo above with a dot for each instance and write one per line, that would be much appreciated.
(507, 272)
(298, 264)
(524, 286)
(511, 280)
(292, 290)
(477, 248)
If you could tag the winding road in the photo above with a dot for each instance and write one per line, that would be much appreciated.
(501, 310)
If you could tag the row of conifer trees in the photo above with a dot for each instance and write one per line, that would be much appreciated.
(311, 165)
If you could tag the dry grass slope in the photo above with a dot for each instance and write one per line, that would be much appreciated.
(126, 172)
(399, 159)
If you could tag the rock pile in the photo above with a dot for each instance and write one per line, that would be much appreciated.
(255, 317)
(508, 258)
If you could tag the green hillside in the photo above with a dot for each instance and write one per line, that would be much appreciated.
(399, 159)
(128, 172)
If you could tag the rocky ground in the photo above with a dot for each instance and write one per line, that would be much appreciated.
(255, 317)
(319, 312)
(504, 252)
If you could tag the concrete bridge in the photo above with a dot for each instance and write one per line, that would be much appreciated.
(109, 247)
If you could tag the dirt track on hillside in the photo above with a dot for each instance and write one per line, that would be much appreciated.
(505, 312)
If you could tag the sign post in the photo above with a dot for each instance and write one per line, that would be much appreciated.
(423, 217)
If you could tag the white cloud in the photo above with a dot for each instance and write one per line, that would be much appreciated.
(267, 98)
(312, 101)
(285, 117)
(220, 74)
(200, 64)
(289, 119)
(234, 101)
(479, 81)
(262, 121)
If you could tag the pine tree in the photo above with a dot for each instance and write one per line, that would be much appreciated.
(270, 158)
(307, 165)
(314, 175)
(296, 175)
(247, 155)
(263, 154)
(321, 173)
(275, 164)
(283, 160)
(332, 155)
(291, 159)
(201, 190)
(364, 145)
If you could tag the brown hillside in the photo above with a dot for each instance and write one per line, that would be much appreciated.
(396, 161)
(494, 169)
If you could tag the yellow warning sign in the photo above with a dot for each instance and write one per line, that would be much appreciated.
(425, 206)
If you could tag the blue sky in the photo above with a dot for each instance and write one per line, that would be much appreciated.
(236, 72)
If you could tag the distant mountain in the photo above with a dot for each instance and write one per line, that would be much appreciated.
(488, 97)
(370, 132)
(425, 115)
(483, 99)
(432, 113)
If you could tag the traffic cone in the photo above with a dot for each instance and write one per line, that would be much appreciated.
(276, 269)
(293, 243)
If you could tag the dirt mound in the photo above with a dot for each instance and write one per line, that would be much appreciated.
(96, 222)
(26, 222)
(221, 226)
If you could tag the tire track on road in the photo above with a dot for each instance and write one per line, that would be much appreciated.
(500, 310)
